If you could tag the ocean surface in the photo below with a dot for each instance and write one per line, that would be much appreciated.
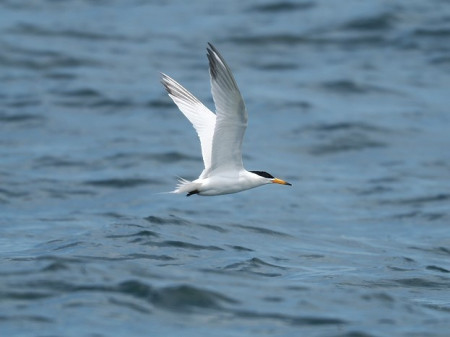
(348, 100)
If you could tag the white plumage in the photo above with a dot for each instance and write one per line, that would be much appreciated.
(220, 134)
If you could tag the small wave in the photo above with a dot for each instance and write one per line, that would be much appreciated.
(26, 318)
(439, 269)
(121, 182)
(183, 244)
(262, 230)
(175, 298)
(346, 86)
(241, 249)
(351, 142)
(420, 200)
(345, 126)
(418, 282)
(143, 233)
(34, 30)
(379, 21)
(256, 266)
(277, 66)
(283, 6)
(439, 32)
(20, 118)
(292, 320)
(46, 63)
(173, 220)
(51, 161)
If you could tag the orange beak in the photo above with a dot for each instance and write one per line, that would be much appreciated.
(280, 181)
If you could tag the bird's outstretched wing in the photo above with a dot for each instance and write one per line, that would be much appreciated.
(199, 115)
(231, 116)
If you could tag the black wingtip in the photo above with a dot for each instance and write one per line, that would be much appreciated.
(163, 80)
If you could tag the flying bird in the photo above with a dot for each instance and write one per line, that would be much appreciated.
(220, 134)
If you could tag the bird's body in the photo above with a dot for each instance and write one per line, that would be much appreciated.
(220, 134)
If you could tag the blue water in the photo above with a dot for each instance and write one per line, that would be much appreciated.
(348, 101)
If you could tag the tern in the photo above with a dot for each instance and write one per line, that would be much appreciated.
(220, 134)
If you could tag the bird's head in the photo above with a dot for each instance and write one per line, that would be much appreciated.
(270, 178)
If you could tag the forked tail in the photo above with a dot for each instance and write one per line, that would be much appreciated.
(186, 186)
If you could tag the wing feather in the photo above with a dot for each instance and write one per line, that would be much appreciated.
(202, 119)
(231, 116)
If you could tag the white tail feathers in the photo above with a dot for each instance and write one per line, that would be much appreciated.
(186, 186)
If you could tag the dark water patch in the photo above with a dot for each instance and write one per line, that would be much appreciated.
(69, 245)
(433, 198)
(382, 297)
(169, 157)
(439, 32)
(121, 182)
(144, 233)
(23, 103)
(55, 267)
(307, 39)
(438, 60)
(261, 230)
(80, 93)
(186, 297)
(34, 30)
(417, 282)
(351, 142)
(150, 257)
(347, 126)
(288, 319)
(135, 289)
(443, 250)
(438, 307)
(24, 295)
(284, 39)
(373, 190)
(182, 298)
(346, 86)
(277, 66)
(61, 61)
(66, 193)
(215, 228)
(241, 249)
(130, 257)
(386, 179)
(439, 269)
(434, 250)
(183, 245)
(379, 21)
(56, 259)
(174, 157)
(283, 6)
(8, 193)
(95, 102)
(20, 118)
(52, 161)
(60, 76)
(115, 215)
(253, 263)
(275, 299)
(26, 318)
(159, 103)
(256, 266)
(354, 334)
(172, 220)
(419, 200)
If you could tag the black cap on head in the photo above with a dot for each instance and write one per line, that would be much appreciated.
(263, 174)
